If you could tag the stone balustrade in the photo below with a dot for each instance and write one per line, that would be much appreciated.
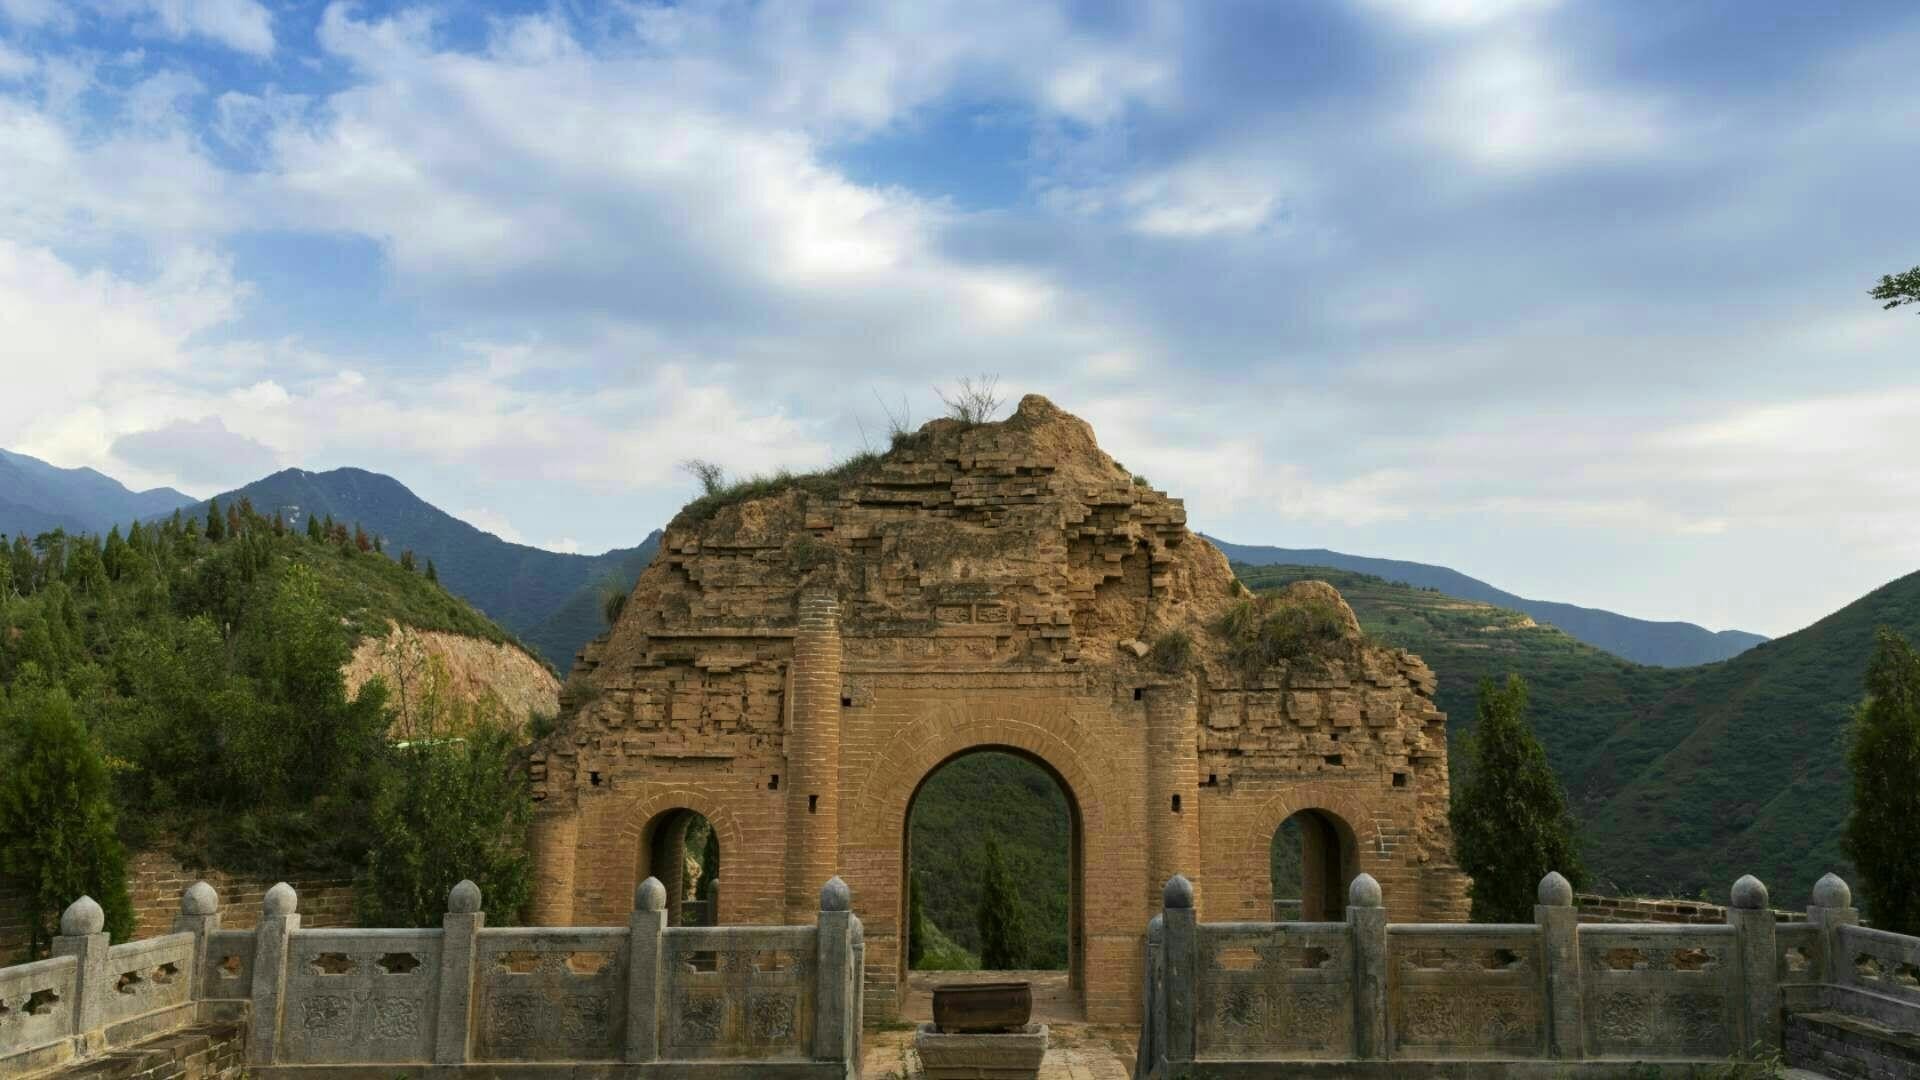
(640, 1000)
(1553, 997)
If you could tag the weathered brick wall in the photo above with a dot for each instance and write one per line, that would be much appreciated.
(1639, 909)
(793, 667)
(214, 1051)
(1847, 1048)
(156, 880)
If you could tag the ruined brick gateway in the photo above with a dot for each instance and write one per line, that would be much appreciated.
(793, 666)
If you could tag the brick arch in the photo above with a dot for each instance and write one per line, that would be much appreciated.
(878, 810)
(642, 814)
(1346, 813)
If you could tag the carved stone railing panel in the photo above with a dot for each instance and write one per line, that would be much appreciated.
(360, 996)
(737, 992)
(229, 967)
(1659, 991)
(550, 994)
(1274, 990)
(148, 975)
(1881, 962)
(1799, 952)
(36, 1003)
(1466, 992)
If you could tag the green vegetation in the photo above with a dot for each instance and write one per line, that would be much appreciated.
(1000, 916)
(448, 804)
(56, 817)
(1019, 804)
(1885, 761)
(1509, 815)
(1898, 289)
(209, 673)
(1263, 631)
(1682, 779)
(717, 492)
(1172, 652)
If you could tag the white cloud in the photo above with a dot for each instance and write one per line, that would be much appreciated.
(243, 25)
(15, 64)
(1457, 14)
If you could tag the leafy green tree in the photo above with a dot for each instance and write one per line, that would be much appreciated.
(56, 813)
(216, 525)
(1898, 289)
(1885, 759)
(448, 804)
(1511, 825)
(1001, 920)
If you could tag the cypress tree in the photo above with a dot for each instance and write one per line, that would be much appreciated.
(1885, 761)
(114, 558)
(313, 529)
(1001, 922)
(57, 832)
(917, 931)
(216, 528)
(1511, 825)
(432, 574)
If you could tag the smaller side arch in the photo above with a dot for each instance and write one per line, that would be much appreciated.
(637, 828)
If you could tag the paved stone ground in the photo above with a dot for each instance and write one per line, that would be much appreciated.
(1076, 1050)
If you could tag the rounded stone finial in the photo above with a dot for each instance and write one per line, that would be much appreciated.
(1178, 893)
(464, 898)
(835, 896)
(82, 917)
(1831, 892)
(199, 899)
(1364, 892)
(1749, 894)
(1555, 890)
(650, 896)
(281, 900)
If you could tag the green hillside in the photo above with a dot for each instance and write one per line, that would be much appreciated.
(1683, 778)
(209, 671)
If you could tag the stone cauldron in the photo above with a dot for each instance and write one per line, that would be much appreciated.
(979, 1008)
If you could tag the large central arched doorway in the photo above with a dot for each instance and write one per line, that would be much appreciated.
(983, 812)
(1312, 859)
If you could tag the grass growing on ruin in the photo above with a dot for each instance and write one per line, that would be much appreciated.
(1263, 631)
(1172, 652)
(719, 492)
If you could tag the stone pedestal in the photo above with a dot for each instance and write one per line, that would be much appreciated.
(1014, 1055)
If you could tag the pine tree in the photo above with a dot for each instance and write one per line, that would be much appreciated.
(710, 873)
(57, 832)
(313, 529)
(432, 574)
(406, 560)
(1511, 825)
(114, 558)
(235, 520)
(1885, 760)
(279, 524)
(1001, 921)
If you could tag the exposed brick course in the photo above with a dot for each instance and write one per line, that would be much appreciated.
(794, 666)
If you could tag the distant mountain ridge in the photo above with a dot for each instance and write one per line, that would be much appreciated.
(36, 497)
(1643, 641)
(548, 599)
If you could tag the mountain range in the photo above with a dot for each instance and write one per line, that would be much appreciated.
(1662, 644)
(36, 497)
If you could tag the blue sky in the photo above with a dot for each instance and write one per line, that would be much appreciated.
(1569, 296)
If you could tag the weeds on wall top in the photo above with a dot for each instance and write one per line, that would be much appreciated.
(1263, 631)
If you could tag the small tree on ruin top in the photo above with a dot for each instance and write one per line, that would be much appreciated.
(1511, 825)
(1885, 760)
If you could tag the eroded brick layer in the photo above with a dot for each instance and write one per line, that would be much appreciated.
(793, 667)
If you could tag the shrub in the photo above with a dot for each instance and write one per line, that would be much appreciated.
(976, 401)
(1261, 632)
(1171, 652)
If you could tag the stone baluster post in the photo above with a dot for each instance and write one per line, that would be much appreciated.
(279, 918)
(453, 1036)
(1559, 923)
(1181, 957)
(645, 926)
(833, 1011)
(83, 936)
(1832, 908)
(199, 916)
(813, 753)
(1367, 928)
(1752, 920)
